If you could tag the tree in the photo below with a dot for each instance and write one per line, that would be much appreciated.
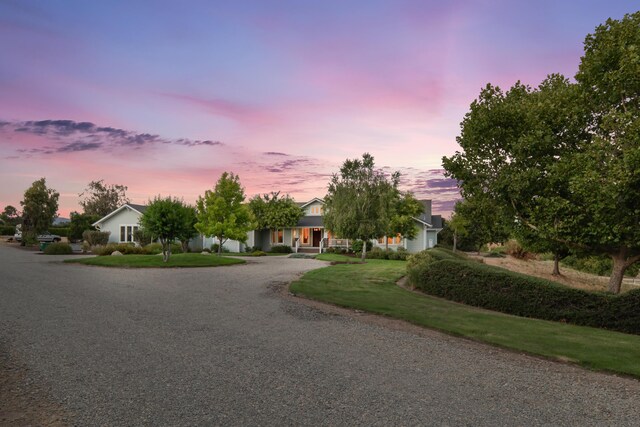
(10, 215)
(188, 231)
(222, 212)
(39, 208)
(80, 223)
(458, 225)
(479, 221)
(404, 207)
(100, 199)
(564, 159)
(358, 200)
(274, 212)
(166, 218)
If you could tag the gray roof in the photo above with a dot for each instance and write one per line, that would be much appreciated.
(436, 221)
(139, 208)
(310, 221)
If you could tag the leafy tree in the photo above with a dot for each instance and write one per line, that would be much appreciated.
(39, 208)
(222, 212)
(564, 159)
(358, 201)
(458, 225)
(100, 199)
(189, 231)
(479, 222)
(403, 209)
(80, 223)
(10, 215)
(167, 219)
(274, 212)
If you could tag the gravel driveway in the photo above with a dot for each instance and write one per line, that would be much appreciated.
(221, 346)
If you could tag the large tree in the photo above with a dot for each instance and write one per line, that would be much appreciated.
(10, 215)
(358, 201)
(39, 208)
(404, 207)
(222, 212)
(101, 199)
(79, 223)
(275, 212)
(188, 231)
(167, 219)
(564, 159)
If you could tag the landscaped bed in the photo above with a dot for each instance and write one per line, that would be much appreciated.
(155, 261)
(372, 287)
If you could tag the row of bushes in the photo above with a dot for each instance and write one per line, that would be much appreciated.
(131, 249)
(378, 253)
(599, 265)
(7, 230)
(501, 290)
(58, 248)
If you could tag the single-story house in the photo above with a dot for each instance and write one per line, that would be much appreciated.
(308, 235)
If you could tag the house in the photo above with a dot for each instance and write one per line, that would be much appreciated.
(308, 235)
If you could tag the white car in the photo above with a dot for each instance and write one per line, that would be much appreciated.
(44, 237)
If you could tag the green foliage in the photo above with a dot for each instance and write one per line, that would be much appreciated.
(146, 261)
(217, 249)
(357, 246)
(281, 249)
(167, 219)
(222, 212)
(153, 248)
(359, 202)
(400, 254)
(258, 253)
(402, 214)
(60, 231)
(40, 207)
(476, 222)
(80, 223)
(142, 238)
(10, 216)
(99, 199)
(515, 249)
(124, 248)
(598, 265)
(58, 248)
(513, 293)
(273, 212)
(7, 230)
(95, 238)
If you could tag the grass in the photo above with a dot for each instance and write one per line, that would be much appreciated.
(249, 254)
(371, 287)
(338, 258)
(155, 261)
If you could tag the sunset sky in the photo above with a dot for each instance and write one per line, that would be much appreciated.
(164, 96)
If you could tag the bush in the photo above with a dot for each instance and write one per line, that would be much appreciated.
(124, 248)
(357, 246)
(215, 246)
(417, 263)
(58, 249)
(96, 238)
(513, 293)
(599, 265)
(60, 231)
(153, 248)
(142, 238)
(206, 250)
(7, 230)
(515, 249)
(258, 253)
(281, 249)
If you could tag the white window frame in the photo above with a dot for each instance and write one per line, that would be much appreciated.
(134, 227)
(279, 240)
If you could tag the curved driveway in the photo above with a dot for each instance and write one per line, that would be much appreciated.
(221, 346)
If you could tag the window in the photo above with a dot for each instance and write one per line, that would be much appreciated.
(391, 240)
(305, 236)
(277, 236)
(127, 233)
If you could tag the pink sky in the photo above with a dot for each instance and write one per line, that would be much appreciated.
(164, 99)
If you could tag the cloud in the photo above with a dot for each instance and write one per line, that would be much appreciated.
(68, 136)
(274, 153)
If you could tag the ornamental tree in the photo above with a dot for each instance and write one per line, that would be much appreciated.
(359, 199)
(167, 219)
(222, 212)
(403, 209)
(39, 208)
(274, 212)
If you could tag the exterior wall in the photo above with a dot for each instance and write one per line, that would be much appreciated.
(432, 238)
(417, 244)
(124, 217)
(314, 209)
(265, 239)
(230, 245)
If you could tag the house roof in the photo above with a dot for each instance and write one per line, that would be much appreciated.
(315, 199)
(310, 221)
(138, 208)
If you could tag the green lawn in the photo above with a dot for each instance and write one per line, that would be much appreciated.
(371, 287)
(155, 261)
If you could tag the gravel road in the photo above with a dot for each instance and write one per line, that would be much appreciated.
(216, 346)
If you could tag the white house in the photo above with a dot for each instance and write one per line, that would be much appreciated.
(308, 235)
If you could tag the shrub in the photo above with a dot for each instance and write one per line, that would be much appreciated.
(515, 249)
(153, 248)
(497, 289)
(215, 246)
(58, 249)
(7, 230)
(95, 238)
(258, 253)
(206, 250)
(599, 265)
(124, 248)
(60, 231)
(281, 249)
(357, 246)
(142, 238)
(417, 263)
(86, 247)
(376, 253)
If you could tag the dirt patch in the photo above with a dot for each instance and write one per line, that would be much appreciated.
(568, 277)
(23, 403)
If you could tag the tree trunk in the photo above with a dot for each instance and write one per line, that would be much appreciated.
(617, 273)
(556, 265)
(455, 241)
(219, 246)
(364, 250)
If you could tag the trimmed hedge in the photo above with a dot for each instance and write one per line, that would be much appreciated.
(7, 230)
(94, 237)
(400, 254)
(58, 249)
(281, 249)
(501, 290)
(60, 231)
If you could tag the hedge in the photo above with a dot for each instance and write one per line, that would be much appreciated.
(501, 290)
(58, 249)
(60, 231)
(7, 230)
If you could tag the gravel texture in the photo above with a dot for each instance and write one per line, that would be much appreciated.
(211, 346)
